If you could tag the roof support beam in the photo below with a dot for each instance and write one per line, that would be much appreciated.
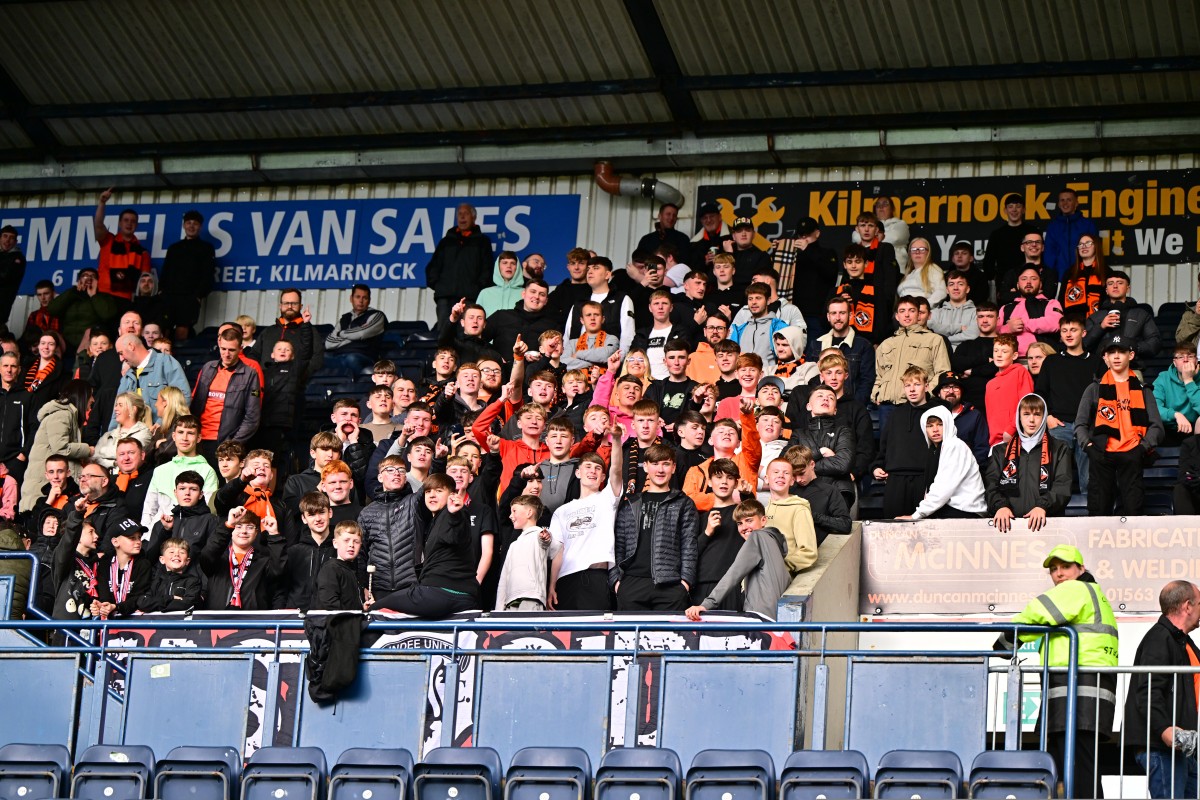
(675, 87)
(17, 108)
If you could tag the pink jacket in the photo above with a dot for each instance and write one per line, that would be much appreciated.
(603, 397)
(1045, 322)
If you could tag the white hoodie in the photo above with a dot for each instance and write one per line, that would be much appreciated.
(957, 483)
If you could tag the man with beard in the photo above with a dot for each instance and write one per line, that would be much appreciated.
(1033, 246)
(968, 420)
(1031, 316)
(105, 504)
(294, 325)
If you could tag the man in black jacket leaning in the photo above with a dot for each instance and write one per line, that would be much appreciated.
(461, 265)
(1162, 708)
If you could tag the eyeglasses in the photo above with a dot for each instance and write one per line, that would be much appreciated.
(919, 249)
(1032, 242)
(490, 371)
(289, 302)
(716, 327)
(392, 470)
(1082, 245)
(94, 476)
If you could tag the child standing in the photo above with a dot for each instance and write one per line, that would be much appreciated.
(308, 555)
(239, 569)
(337, 583)
(718, 542)
(903, 448)
(1004, 392)
(523, 580)
(792, 516)
(125, 577)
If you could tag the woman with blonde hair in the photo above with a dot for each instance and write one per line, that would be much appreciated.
(171, 404)
(133, 422)
(637, 364)
(1035, 355)
(924, 278)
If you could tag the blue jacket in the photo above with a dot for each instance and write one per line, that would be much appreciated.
(162, 370)
(972, 428)
(758, 336)
(1062, 234)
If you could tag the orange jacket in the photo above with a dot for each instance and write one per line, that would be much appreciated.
(695, 484)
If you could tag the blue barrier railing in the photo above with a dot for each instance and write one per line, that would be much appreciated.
(103, 656)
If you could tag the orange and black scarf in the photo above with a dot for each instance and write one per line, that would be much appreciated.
(259, 501)
(862, 301)
(1109, 413)
(36, 377)
(1010, 484)
(581, 343)
(1086, 289)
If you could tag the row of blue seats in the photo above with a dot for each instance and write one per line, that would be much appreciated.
(130, 772)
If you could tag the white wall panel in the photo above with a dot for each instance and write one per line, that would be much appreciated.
(609, 225)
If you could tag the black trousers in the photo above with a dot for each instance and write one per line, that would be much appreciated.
(1087, 783)
(643, 594)
(1111, 474)
(586, 590)
(732, 601)
(902, 493)
(1185, 501)
(426, 601)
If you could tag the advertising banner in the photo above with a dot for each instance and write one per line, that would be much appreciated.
(317, 244)
(952, 567)
(1144, 217)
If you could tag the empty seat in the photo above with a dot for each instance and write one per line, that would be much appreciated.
(731, 775)
(651, 773)
(33, 770)
(113, 772)
(198, 773)
(549, 773)
(364, 773)
(918, 774)
(809, 774)
(464, 773)
(1012, 773)
(285, 773)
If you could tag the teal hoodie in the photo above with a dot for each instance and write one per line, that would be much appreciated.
(504, 294)
(1173, 395)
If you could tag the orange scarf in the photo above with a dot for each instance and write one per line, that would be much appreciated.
(581, 343)
(123, 480)
(259, 501)
(36, 377)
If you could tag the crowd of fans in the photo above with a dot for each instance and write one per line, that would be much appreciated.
(670, 435)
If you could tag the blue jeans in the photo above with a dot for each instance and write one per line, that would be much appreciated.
(1160, 774)
(1066, 433)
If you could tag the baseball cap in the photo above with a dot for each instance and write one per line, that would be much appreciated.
(1064, 552)
(962, 244)
(1117, 343)
(743, 222)
(193, 214)
(128, 527)
(771, 380)
(708, 208)
(806, 226)
(948, 379)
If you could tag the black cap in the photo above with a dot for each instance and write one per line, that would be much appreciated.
(743, 222)
(193, 214)
(948, 379)
(708, 208)
(8, 229)
(962, 244)
(806, 226)
(1117, 343)
(1012, 197)
(128, 527)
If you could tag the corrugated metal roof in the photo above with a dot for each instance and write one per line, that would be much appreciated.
(200, 49)
(135, 77)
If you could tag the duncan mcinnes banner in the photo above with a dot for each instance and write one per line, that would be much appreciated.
(324, 244)
(1148, 217)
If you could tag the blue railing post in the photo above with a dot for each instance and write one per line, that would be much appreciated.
(1072, 710)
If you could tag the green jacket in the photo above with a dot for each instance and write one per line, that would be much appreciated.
(1174, 396)
(79, 312)
(20, 569)
(1084, 607)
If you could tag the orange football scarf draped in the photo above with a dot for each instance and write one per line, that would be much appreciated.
(36, 377)
(1009, 480)
(1112, 421)
(259, 501)
(1085, 290)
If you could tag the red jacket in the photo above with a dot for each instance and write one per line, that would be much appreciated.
(1004, 393)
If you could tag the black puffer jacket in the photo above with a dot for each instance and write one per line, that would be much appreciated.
(461, 265)
(257, 587)
(505, 326)
(673, 554)
(394, 529)
(1137, 327)
(832, 433)
(284, 393)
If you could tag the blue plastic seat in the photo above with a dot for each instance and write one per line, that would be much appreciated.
(731, 775)
(198, 773)
(1012, 773)
(297, 772)
(809, 774)
(549, 773)
(652, 773)
(33, 770)
(918, 773)
(113, 772)
(473, 773)
(365, 773)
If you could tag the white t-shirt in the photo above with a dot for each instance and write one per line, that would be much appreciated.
(655, 354)
(586, 530)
